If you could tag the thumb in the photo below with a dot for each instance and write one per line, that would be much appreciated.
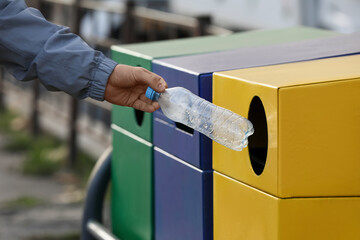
(153, 80)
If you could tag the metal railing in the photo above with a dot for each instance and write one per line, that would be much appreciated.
(92, 221)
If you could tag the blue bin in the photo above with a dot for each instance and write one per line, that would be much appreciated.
(183, 199)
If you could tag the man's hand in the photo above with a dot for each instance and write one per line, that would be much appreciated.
(127, 86)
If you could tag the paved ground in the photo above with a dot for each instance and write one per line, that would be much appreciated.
(58, 213)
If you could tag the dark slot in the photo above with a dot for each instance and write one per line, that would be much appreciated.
(139, 115)
(258, 143)
(184, 128)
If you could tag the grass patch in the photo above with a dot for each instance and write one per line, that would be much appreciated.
(45, 154)
(39, 162)
(84, 166)
(22, 202)
(18, 141)
(6, 117)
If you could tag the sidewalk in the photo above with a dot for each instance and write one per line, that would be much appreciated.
(55, 211)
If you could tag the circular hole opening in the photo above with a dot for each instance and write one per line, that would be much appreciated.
(258, 143)
(139, 116)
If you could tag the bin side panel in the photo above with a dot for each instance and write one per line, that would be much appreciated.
(132, 188)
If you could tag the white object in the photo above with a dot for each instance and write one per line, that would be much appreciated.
(217, 123)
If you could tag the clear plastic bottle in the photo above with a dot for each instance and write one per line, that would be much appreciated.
(219, 124)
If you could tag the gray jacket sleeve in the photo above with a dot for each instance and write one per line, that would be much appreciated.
(31, 47)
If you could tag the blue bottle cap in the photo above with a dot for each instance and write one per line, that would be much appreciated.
(151, 94)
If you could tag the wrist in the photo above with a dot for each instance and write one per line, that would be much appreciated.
(101, 78)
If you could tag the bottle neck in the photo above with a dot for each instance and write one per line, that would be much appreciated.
(156, 96)
(152, 94)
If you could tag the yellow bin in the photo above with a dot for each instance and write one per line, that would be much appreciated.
(306, 117)
(245, 213)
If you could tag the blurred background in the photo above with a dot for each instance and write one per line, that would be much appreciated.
(49, 142)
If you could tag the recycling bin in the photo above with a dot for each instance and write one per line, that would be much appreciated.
(135, 201)
(306, 121)
(183, 199)
(195, 74)
(125, 191)
(244, 212)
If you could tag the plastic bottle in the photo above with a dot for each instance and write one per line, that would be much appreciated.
(219, 124)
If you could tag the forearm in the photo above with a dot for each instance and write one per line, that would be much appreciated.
(32, 47)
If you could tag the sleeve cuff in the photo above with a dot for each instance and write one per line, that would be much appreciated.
(98, 84)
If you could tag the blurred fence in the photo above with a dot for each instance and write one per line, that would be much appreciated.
(89, 120)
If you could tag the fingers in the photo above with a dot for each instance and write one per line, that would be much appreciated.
(145, 99)
(144, 106)
(151, 79)
(127, 85)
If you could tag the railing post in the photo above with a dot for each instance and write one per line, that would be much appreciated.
(35, 128)
(129, 24)
(72, 137)
(309, 13)
(203, 23)
(34, 118)
(72, 131)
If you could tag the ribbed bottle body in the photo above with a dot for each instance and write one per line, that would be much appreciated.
(219, 124)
